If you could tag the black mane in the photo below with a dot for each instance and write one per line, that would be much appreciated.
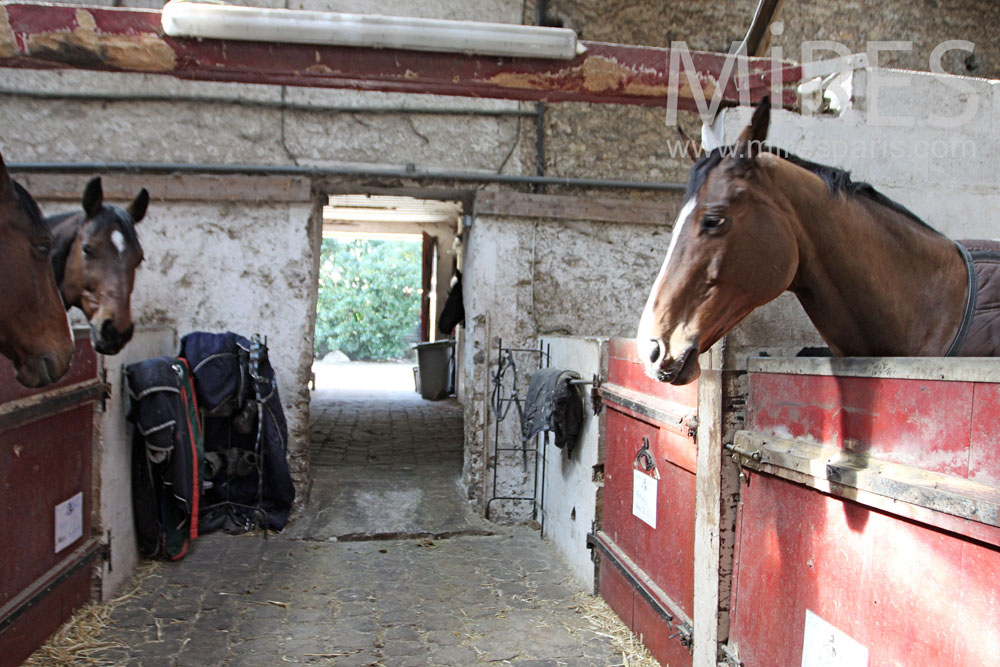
(30, 207)
(838, 181)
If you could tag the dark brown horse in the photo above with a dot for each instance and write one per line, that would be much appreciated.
(872, 277)
(96, 254)
(34, 331)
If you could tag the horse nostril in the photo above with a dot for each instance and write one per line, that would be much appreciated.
(655, 352)
(108, 330)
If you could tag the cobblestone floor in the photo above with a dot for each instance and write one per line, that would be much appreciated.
(366, 577)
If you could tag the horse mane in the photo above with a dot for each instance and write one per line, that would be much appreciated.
(30, 206)
(838, 181)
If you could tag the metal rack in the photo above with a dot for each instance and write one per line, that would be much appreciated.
(500, 403)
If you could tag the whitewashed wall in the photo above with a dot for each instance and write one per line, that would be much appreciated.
(570, 490)
(113, 461)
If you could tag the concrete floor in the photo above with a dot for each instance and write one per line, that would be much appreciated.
(387, 565)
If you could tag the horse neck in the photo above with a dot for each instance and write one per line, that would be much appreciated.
(873, 281)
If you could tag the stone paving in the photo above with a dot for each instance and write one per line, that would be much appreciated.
(385, 566)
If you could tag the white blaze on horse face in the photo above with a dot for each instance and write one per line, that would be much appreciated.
(646, 323)
(118, 240)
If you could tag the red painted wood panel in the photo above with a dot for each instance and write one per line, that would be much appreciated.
(912, 595)
(666, 553)
(617, 591)
(83, 368)
(42, 464)
(984, 441)
(655, 634)
(31, 630)
(625, 369)
(921, 423)
(623, 439)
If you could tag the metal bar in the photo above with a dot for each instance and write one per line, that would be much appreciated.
(593, 540)
(263, 104)
(116, 39)
(647, 406)
(408, 172)
(910, 368)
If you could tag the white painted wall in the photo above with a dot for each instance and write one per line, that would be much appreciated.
(570, 490)
(113, 458)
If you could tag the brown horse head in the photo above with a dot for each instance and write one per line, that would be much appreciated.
(34, 331)
(97, 253)
(712, 276)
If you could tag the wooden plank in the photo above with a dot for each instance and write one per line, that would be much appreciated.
(965, 369)
(904, 484)
(131, 40)
(172, 187)
(674, 416)
(560, 207)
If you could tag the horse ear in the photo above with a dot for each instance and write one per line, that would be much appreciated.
(694, 151)
(751, 140)
(93, 197)
(137, 209)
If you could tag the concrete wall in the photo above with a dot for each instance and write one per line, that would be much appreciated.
(113, 461)
(570, 490)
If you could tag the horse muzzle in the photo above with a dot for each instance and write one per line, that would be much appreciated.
(660, 366)
(39, 371)
(108, 340)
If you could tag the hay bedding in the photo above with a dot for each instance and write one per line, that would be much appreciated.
(607, 624)
(79, 638)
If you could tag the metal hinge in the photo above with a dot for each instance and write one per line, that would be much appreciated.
(595, 395)
(105, 392)
(106, 552)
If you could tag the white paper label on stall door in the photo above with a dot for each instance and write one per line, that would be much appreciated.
(823, 645)
(644, 497)
(69, 521)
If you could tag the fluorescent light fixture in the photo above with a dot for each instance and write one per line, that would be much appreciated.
(219, 21)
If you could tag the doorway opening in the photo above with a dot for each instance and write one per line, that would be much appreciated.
(380, 289)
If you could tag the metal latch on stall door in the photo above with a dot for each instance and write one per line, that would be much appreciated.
(684, 631)
(730, 655)
(645, 460)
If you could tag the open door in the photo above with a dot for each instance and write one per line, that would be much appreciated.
(428, 302)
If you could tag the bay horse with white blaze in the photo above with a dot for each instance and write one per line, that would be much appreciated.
(874, 279)
(34, 331)
(96, 254)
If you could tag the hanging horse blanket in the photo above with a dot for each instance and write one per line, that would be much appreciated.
(247, 476)
(553, 404)
(979, 335)
(166, 456)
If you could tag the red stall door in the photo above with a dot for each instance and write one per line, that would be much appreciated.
(646, 537)
(869, 530)
(46, 447)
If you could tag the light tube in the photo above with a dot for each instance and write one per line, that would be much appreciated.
(218, 21)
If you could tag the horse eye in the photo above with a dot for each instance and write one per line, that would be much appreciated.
(44, 249)
(713, 222)
(88, 250)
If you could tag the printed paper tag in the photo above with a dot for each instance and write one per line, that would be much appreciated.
(644, 497)
(823, 645)
(69, 521)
